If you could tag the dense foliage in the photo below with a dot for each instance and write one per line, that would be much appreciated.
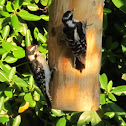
(25, 22)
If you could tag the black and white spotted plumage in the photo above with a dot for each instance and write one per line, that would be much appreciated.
(75, 32)
(40, 70)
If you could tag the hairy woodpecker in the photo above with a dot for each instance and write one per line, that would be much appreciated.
(75, 32)
(40, 70)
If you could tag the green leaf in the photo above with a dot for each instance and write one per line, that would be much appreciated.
(5, 68)
(28, 98)
(106, 10)
(4, 56)
(2, 2)
(44, 2)
(9, 6)
(112, 97)
(96, 120)
(114, 107)
(10, 59)
(103, 80)
(36, 31)
(43, 50)
(45, 17)
(8, 92)
(3, 76)
(120, 90)
(119, 120)
(18, 4)
(110, 114)
(2, 51)
(1, 102)
(28, 16)
(12, 73)
(4, 13)
(114, 45)
(19, 53)
(5, 31)
(102, 99)
(41, 38)
(124, 76)
(36, 96)
(16, 23)
(84, 119)
(4, 118)
(28, 38)
(36, 1)
(6, 46)
(124, 47)
(19, 82)
(109, 86)
(61, 122)
(74, 117)
(31, 81)
(121, 4)
(17, 121)
(57, 112)
(32, 7)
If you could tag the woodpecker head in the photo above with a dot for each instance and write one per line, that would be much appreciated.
(68, 20)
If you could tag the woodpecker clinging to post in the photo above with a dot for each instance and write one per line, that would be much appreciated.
(40, 70)
(75, 32)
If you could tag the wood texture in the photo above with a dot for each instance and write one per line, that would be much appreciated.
(70, 89)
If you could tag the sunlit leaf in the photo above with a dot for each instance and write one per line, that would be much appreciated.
(24, 106)
(110, 114)
(8, 92)
(9, 6)
(4, 13)
(28, 16)
(120, 90)
(18, 4)
(17, 121)
(112, 97)
(28, 38)
(10, 59)
(3, 76)
(5, 31)
(19, 82)
(45, 17)
(19, 53)
(36, 96)
(4, 118)
(32, 7)
(57, 112)
(84, 119)
(96, 120)
(121, 4)
(61, 122)
(109, 86)
(103, 80)
(12, 73)
(1, 102)
(102, 99)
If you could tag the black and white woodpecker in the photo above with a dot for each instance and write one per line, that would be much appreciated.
(75, 32)
(40, 70)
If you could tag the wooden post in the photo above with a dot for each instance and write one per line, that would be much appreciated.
(70, 89)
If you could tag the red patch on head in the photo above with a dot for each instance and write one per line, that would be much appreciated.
(29, 47)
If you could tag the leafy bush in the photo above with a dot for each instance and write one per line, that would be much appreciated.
(23, 22)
